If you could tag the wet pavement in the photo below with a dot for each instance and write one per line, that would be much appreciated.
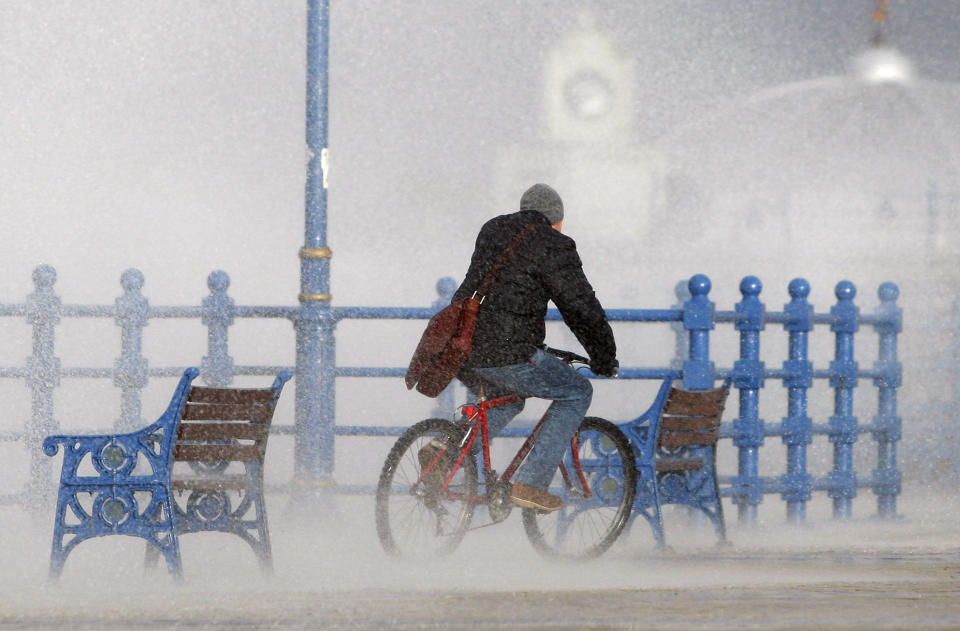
(858, 574)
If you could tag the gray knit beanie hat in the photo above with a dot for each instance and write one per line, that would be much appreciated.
(543, 198)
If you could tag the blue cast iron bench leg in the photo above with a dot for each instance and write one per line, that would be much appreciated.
(119, 484)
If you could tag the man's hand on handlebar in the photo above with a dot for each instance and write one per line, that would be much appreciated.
(605, 369)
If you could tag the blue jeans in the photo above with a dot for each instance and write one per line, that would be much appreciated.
(545, 377)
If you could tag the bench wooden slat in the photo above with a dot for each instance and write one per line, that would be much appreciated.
(680, 396)
(673, 423)
(217, 453)
(222, 431)
(201, 394)
(706, 406)
(673, 440)
(227, 411)
(679, 464)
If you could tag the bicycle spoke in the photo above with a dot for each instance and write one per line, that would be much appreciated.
(416, 518)
(597, 483)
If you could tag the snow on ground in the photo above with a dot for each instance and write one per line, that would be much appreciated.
(863, 573)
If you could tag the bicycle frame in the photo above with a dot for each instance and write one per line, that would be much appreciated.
(431, 482)
(476, 424)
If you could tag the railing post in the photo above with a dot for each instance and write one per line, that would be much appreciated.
(748, 377)
(43, 375)
(218, 313)
(130, 369)
(681, 339)
(843, 379)
(446, 402)
(796, 427)
(698, 321)
(886, 477)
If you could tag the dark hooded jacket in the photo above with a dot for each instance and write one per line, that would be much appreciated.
(545, 267)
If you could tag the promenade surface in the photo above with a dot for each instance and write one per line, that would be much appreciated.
(858, 574)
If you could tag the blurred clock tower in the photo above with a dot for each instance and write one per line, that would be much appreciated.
(588, 88)
(587, 148)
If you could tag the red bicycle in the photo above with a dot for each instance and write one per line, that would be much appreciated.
(431, 483)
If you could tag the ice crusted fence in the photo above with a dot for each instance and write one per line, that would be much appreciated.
(693, 321)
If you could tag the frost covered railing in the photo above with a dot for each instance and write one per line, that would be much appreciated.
(693, 320)
(43, 311)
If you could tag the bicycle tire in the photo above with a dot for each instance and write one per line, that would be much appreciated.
(413, 520)
(587, 526)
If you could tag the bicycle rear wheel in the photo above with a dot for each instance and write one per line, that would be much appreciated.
(592, 517)
(416, 520)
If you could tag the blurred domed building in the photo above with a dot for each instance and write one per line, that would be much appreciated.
(863, 165)
(855, 177)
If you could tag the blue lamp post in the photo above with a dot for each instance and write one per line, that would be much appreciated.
(315, 323)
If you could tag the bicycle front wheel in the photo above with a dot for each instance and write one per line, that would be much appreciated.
(597, 481)
(416, 518)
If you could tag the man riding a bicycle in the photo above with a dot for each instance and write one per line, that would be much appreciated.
(508, 356)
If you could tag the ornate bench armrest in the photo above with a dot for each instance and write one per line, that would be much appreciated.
(112, 456)
(144, 453)
(51, 444)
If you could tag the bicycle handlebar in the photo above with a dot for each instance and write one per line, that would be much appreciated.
(567, 356)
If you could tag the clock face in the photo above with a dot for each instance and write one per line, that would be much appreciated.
(588, 94)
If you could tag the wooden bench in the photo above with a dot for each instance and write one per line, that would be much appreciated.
(125, 483)
(218, 462)
(676, 445)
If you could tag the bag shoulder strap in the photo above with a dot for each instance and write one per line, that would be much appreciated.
(508, 252)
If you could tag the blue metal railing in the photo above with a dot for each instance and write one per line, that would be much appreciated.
(693, 321)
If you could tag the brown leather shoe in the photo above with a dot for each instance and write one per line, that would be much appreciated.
(426, 456)
(529, 497)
